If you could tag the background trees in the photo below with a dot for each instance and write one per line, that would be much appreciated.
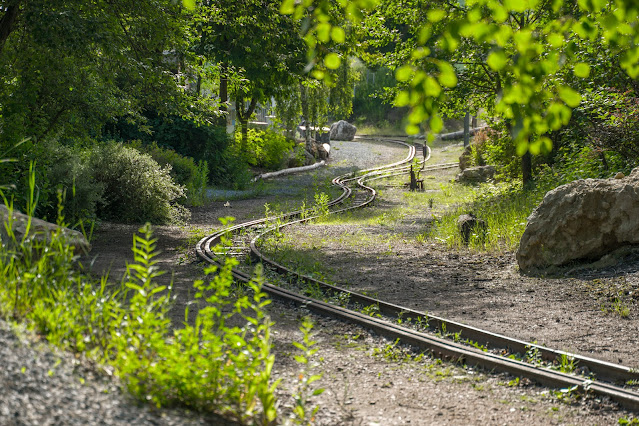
(526, 62)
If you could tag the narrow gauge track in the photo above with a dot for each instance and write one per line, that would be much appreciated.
(606, 379)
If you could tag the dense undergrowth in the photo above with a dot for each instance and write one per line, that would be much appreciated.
(209, 365)
(506, 205)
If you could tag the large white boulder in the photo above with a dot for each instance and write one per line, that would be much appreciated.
(582, 220)
(342, 131)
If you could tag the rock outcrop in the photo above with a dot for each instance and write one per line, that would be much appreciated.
(582, 220)
(477, 174)
(39, 230)
(342, 131)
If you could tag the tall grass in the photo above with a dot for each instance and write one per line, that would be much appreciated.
(504, 207)
(211, 364)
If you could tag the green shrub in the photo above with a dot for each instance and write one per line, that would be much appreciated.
(69, 171)
(136, 188)
(267, 149)
(202, 142)
(184, 170)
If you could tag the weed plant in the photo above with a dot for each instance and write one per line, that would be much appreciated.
(305, 388)
(212, 365)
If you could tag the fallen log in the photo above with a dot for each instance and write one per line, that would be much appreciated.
(289, 171)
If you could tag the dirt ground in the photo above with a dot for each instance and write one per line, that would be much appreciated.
(369, 381)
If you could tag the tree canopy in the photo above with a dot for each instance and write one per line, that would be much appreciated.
(528, 62)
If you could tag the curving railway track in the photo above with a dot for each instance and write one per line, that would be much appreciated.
(441, 337)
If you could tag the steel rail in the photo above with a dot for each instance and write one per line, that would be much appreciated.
(437, 346)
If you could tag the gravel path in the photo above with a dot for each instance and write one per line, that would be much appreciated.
(42, 386)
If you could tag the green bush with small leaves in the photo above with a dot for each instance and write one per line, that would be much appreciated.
(136, 187)
(266, 149)
(208, 365)
(184, 170)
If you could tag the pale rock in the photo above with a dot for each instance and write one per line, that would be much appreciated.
(582, 220)
(39, 230)
(342, 131)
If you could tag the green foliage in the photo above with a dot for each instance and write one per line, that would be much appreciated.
(70, 172)
(527, 63)
(266, 149)
(66, 69)
(371, 98)
(505, 208)
(136, 188)
(202, 142)
(209, 365)
(184, 170)
(306, 378)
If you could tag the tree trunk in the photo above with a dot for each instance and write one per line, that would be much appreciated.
(8, 20)
(467, 130)
(224, 94)
(243, 117)
(305, 115)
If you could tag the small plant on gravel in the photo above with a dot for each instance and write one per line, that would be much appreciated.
(567, 363)
(629, 421)
(393, 352)
(533, 355)
(372, 310)
(305, 391)
(320, 208)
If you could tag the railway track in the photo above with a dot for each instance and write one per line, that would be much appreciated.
(441, 337)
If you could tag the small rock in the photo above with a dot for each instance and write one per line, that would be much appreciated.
(477, 174)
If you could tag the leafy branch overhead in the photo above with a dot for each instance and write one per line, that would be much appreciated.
(527, 62)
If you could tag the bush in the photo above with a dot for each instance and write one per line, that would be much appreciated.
(202, 142)
(184, 170)
(136, 188)
(267, 149)
(69, 172)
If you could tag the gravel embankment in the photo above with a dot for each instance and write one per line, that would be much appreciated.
(42, 386)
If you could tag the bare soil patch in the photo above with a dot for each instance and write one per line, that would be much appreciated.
(368, 381)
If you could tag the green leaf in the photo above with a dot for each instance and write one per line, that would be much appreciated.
(515, 5)
(436, 123)
(556, 40)
(189, 4)
(497, 60)
(412, 129)
(569, 96)
(522, 147)
(332, 61)
(324, 32)
(582, 70)
(420, 52)
(436, 15)
(338, 35)
(447, 76)
(404, 73)
(402, 98)
(287, 7)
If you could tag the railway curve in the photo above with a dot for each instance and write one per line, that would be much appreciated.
(498, 354)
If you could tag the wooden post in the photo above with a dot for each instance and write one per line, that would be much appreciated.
(467, 129)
